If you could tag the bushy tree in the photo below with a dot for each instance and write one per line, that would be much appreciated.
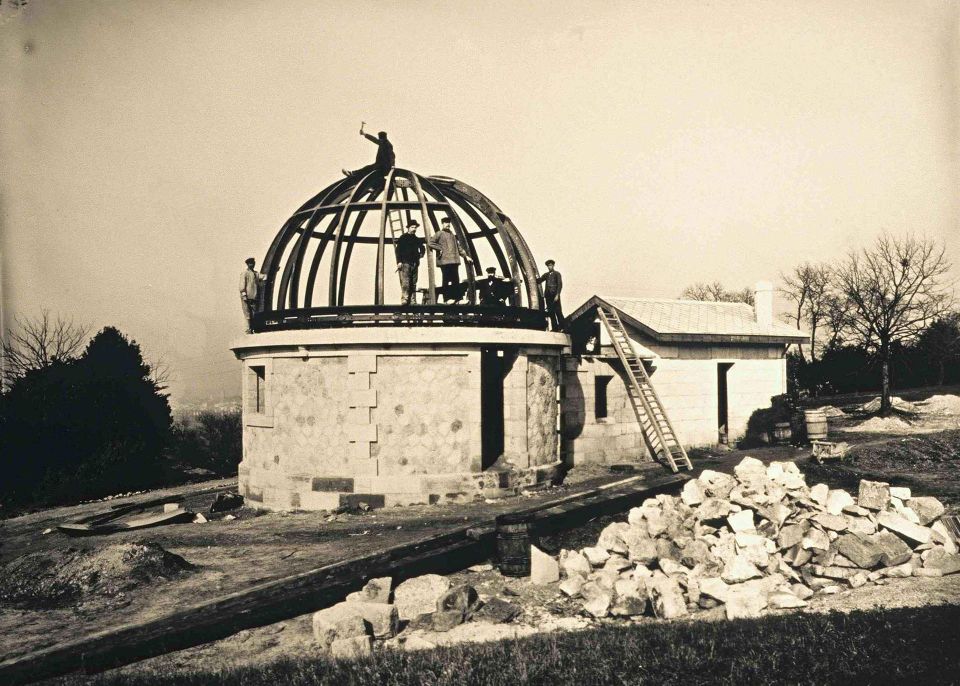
(83, 427)
(940, 344)
(716, 292)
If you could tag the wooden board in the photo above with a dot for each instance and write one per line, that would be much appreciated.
(291, 596)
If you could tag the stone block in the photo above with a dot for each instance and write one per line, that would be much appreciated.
(894, 550)
(900, 492)
(574, 564)
(742, 521)
(666, 598)
(319, 501)
(375, 591)
(358, 363)
(928, 509)
(873, 495)
(382, 619)
(739, 569)
(419, 595)
(861, 551)
(904, 528)
(837, 500)
(365, 433)
(596, 600)
(543, 568)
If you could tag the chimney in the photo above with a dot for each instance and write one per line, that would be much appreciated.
(763, 303)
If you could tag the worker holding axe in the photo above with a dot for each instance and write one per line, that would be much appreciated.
(385, 158)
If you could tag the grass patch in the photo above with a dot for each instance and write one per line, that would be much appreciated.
(914, 645)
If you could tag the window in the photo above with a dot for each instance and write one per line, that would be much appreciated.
(600, 396)
(257, 389)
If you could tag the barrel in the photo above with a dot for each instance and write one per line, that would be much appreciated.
(816, 422)
(782, 433)
(513, 544)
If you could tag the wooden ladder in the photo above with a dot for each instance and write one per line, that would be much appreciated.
(651, 416)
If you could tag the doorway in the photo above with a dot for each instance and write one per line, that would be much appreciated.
(492, 369)
(723, 419)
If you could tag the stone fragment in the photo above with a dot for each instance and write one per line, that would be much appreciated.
(746, 600)
(445, 620)
(819, 493)
(782, 600)
(797, 556)
(713, 509)
(800, 591)
(901, 492)
(350, 648)
(858, 579)
(905, 512)
(927, 571)
(860, 525)
(416, 642)
(605, 578)
(627, 599)
(667, 549)
(874, 495)
(462, 599)
(749, 469)
(940, 534)
(861, 551)
(894, 550)
(903, 528)
(692, 493)
(381, 619)
(419, 595)
(643, 551)
(571, 585)
(831, 522)
(543, 568)
(375, 591)
(694, 553)
(792, 535)
(596, 556)
(831, 590)
(716, 484)
(856, 510)
(671, 568)
(596, 600)
(617, 563)
(330, 628)
(928, 509)
(815, 539)
(947, 563)
(743, 520)
(899, 571)
(834, 572)
(714, 588)
(666, 598)
(573, 563)
(739, 569)
(837, 500)
(496, 610)
(611, 538)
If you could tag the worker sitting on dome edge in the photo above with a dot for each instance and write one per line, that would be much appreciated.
(385, 160)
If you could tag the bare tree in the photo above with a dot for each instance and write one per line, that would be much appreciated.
(894, 289)
(836, 319)
(38, 342)
(715, 292)
(941, 342)
(809, 287)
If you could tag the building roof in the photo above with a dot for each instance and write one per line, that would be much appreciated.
(694, 320)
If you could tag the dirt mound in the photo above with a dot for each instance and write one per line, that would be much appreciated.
(831, 411)
(887, 425)
(62, 577)
(897, 403)
(919, 453)
(947, 405)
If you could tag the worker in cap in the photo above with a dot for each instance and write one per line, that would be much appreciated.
(449, 252)
(494, 290)
(553, 284)
(249, 292)
(385, 160)
(409, 248)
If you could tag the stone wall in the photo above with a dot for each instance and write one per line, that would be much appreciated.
(542, 409)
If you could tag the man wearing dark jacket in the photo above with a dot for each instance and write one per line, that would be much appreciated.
(385, 157)
(410, 248)
(551, 294)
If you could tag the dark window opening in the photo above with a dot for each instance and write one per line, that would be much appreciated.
(600, 396)
(258, 389)
(723, 428)
(492, 369)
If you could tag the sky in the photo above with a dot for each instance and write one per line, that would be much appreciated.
(149, 146)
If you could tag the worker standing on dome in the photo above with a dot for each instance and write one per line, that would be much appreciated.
(385, 156)
(249, 291)
(448, 259)
(410, 248)
(551, 294)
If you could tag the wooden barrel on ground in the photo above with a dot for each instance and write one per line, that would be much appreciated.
(513, 544)
(816, 422)
(782, 433)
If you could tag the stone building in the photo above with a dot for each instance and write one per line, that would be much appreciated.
(350, 398)
(712, 364)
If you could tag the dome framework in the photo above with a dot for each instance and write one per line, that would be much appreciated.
(318, 243)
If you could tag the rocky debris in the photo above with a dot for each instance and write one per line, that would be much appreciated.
(497, 611)
(226, 501)
(351, 648)
(419, 595)
(757, 540)
(380, 621)
(58, 578)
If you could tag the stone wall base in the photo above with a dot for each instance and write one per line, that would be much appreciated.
(275, 491)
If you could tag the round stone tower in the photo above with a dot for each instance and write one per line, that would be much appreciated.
(349, 397)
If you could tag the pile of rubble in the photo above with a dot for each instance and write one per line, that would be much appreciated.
(428, 609)
(736, 545)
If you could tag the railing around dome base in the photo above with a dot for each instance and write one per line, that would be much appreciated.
(400, 315)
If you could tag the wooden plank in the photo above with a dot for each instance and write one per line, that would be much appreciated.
(291, 596)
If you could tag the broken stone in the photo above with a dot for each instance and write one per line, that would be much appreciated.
(906, 513)
(496, 610)
(874, 495)
(667, 549)
(739, 569)
(419, 595)
(899, 572)
(830, 522)
(605, 578)
(815, 540)
(692, 493)
(860, 525)
(792, 535)
(571, 585)
(900, 492)
(940, 534)
(894, 550)
(903, 528)
(749, 468)
(716, 484)
(947, 563)
(350, 648)
(617, 563)
(837, 500)
(596, 556)
(382, 620)
(819, 493)
(834, 572)
(671, 568)
(596, 600)
(927, 571)
(543, 568)
(928, 509)
(861, 551)
(742, 521)
(695, 553)
(627, 599)
(643, 551)
(375, 591)
(611, 538)
(462, 599)
(666, 598)
(856, 510)
(713, 509)
(782, 600)
(574, 564)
